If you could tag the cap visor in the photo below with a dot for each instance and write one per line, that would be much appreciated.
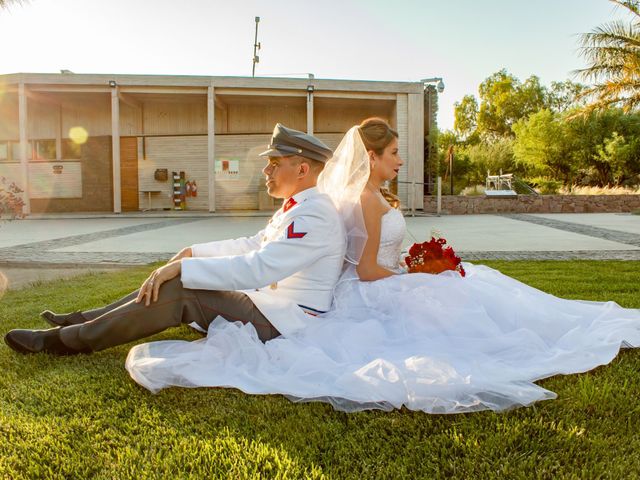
(272, 152)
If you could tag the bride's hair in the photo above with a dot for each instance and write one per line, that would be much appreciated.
(376, 134)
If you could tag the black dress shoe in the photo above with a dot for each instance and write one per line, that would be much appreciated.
(36, 341)
(63, 320)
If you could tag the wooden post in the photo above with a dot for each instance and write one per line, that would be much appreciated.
(310, 112)
(59, 135)
(115, 147)
(24, 144)
(439, 197)
(415, 134)
(211, 146)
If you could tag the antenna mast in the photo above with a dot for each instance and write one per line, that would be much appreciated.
(256, 47)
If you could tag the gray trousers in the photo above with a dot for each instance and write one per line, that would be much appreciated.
(125, 320)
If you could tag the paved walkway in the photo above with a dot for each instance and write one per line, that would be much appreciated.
(67, 245)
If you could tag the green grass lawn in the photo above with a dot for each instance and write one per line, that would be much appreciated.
(83, 417)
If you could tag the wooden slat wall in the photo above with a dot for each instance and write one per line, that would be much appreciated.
(241, 194)
(43, 120)
(188, 154)
(331, 140)
(130, 120)
(244, 119)
(175, 118)
(403, 149)
(336, 115)
(9, 117)
(45, 183)
(93, 113)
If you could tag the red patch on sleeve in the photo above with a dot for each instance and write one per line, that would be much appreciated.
(292, 234)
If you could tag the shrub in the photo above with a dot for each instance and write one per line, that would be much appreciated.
(546, 186)
(11, 203)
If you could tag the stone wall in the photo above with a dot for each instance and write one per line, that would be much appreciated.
(97, 181)
(460, 205)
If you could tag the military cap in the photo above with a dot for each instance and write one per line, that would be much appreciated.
(286, 142)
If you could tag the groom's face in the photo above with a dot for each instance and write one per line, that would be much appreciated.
(282, 176)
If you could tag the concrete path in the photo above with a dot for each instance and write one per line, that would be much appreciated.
(55, 246)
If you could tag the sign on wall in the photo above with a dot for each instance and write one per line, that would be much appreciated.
(227, 169)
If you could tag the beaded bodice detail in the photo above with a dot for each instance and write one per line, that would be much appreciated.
(392, 232)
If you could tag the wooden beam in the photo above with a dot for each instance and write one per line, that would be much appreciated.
(100, 80)
(220, 104)
(272, 92)
(115, 147)
(165, 90)
(70, 89)
(130, 100)
(41, 98)
(24, 144)
(211, 145)
(355, 95)
(8, 88)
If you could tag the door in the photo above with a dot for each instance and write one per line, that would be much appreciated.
(129, 173)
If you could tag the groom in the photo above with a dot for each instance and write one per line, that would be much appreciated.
(274, 280)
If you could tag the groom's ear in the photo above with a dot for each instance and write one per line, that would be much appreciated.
(303, 169)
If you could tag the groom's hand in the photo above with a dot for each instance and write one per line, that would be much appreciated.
(151, 286)
(184, 253)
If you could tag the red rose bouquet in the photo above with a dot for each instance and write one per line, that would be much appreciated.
(433, 257)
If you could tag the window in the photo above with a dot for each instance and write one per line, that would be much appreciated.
(44, 150)
(14, 151)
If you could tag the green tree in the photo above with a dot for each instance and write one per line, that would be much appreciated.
(615, 152)
(612, 51)
(492, 158)
(605, 146)
(564, 96)
(541, 145)
(466, 116)
(503, 100)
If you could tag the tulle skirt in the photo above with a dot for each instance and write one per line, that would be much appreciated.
(435, 343)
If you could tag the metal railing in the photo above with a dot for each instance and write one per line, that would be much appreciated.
(412, 194)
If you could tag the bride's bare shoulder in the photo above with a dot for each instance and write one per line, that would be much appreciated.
(371, 204)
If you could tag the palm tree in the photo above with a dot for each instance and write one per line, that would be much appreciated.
(612, 51)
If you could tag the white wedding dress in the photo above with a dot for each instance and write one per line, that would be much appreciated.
(436, 343)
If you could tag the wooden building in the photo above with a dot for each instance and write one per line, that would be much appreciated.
(101, 143)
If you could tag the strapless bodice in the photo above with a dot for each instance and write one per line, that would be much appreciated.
(392, 232)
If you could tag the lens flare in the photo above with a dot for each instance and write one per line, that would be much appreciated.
(78, 135)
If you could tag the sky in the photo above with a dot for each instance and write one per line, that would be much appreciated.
(462, 41)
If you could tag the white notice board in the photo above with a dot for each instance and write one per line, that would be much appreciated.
(227, 169)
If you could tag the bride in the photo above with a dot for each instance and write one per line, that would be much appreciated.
(436, 343)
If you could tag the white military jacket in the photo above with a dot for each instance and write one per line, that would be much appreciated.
(288, 269)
